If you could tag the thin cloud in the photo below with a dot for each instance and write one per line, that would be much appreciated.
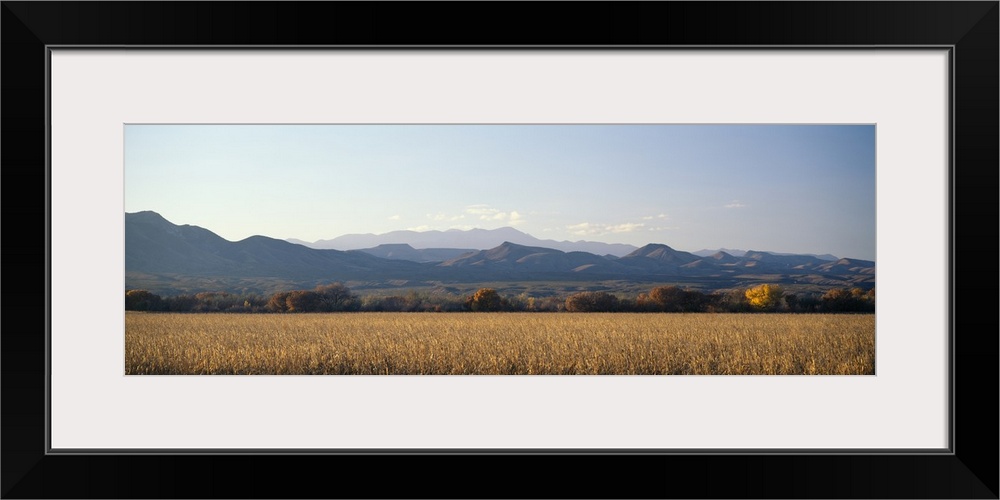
(394, 217)
(488, 213)
(441, 216)
(735, 204)
(627, 227)
(480, 210)
(591, 229)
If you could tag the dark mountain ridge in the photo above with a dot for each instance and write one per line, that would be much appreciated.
(154, 245)
(403, 251)
(509, 256)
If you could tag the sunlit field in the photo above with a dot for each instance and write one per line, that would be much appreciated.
(500, 344)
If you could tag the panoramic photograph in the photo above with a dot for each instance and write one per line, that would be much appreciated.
(541, 249)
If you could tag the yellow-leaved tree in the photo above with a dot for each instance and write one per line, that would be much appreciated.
(764, 297)
(485, 299)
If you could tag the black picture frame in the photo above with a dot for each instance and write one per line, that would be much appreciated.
(969, 28)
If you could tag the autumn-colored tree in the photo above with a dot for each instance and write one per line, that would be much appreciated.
(278, 302)
(672, 299)
(303, 301)
(662, 299)
(848, 300)
(485, 299)
(592, 302)
(764, 297)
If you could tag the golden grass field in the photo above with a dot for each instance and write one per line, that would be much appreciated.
(500, 344)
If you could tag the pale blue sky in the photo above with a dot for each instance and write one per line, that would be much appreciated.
(783, 188)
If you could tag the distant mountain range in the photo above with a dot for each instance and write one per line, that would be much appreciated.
(167, 258)
(478, 239)
(741, 253)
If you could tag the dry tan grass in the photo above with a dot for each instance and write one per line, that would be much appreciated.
(499, 343)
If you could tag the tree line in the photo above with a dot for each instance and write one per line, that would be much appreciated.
(338, 298)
